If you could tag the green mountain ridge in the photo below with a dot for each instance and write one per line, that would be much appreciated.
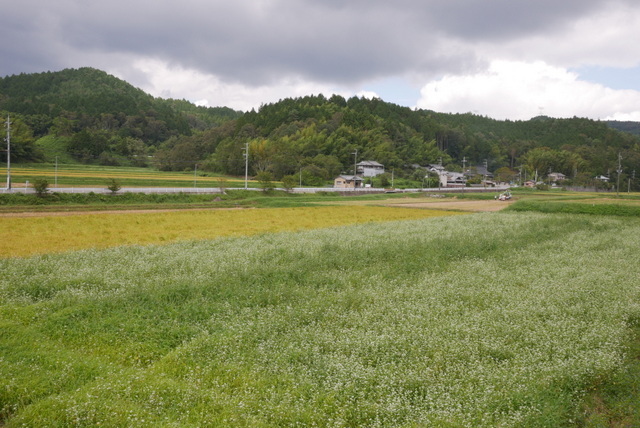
(98, 118)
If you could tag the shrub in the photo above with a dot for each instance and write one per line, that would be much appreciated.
(542, 186)
(288, 182)
(114, 186)
(265, 178)
(41, 186)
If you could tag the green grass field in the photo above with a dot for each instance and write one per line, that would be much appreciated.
(508, 319)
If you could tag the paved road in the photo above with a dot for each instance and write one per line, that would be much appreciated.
(214, 190)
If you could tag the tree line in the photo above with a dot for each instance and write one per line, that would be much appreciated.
(97, 118)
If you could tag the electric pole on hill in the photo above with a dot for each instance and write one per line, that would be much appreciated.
(246, 165)
(8, 123)
(619, 170)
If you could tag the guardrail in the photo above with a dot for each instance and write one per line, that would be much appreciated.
(217, 190)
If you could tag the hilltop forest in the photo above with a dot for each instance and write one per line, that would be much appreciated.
(85, 115)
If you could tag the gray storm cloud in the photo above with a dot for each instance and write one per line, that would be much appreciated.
(257, 42)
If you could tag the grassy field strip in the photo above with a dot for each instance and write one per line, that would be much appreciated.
(607, 201)
(157, 175)
(27, 236)
(453, 204)
(500, 319)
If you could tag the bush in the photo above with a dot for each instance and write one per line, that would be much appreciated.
(265, 178)
(289, 182)
(41, 186)
(114, 186)
(542, 186)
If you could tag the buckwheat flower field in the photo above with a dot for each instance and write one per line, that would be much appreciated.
(497, 319)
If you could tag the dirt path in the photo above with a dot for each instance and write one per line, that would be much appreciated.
(461, 205)
(451, 204)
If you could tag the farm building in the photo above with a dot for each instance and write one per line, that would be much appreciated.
(347, 182)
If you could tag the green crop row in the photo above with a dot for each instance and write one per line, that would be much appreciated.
(618, 209)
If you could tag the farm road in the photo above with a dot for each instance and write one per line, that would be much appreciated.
(485, 205)
(460, 205)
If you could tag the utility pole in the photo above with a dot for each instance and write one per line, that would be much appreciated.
(486, 170)
(464, 163)
(355, 162)
(8, 153)
(246, 165)
(355, 169)
(195, 176)
(619, 170)
(55, 180)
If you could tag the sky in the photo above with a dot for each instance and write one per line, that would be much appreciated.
(505, 59)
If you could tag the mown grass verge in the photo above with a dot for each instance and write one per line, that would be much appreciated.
(623, 210)
(502, 319)
(614, 402)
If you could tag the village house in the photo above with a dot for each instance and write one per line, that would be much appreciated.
(369, 169)
(557, 176)
(478, 171)
(347, 182)
(437, 168)
(452, 179)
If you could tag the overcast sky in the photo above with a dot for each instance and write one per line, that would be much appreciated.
(512, 59)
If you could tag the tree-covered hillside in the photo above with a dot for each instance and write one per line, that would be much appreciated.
(320, 137)
(625, 126)
(96, 118)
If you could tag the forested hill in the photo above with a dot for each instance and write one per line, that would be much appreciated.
(90, 116)
(89, 101)
(321, 137)
(625, 126)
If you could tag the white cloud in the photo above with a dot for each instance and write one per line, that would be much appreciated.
(162, 80)
(606, 38)
(367, 94)
(521, 90)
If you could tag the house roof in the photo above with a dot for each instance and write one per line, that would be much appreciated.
(350, 177)
(435, 167)
(369, 163)
(478, 170)
(455, 175)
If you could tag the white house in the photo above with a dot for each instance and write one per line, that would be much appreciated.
(369, 168)
(557, 176)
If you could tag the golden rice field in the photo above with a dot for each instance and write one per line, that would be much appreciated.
(72, 174)
(25, 236)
